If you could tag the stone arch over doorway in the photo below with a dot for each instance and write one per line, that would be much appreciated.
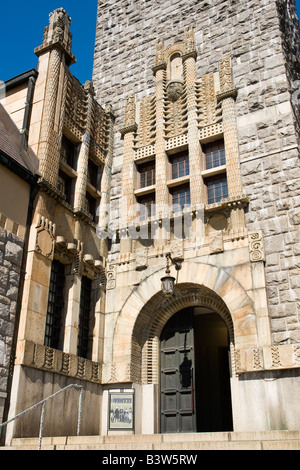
(145, 311)
(155, 315)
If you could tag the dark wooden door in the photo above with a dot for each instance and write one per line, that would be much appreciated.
(177, 374)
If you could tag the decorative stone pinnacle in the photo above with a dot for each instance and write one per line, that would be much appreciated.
(58, 33)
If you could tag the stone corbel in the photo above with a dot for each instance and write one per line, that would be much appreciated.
(232, 93)
(67, 252)
(92, 267)
(130, 128)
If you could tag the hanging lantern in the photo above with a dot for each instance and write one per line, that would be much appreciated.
(167, 285)
(168, 282)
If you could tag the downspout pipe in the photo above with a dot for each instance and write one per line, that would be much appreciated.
(27, 113)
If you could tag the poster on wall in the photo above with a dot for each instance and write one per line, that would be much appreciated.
(121, 410)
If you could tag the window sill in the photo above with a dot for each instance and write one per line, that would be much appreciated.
(214, 171)
(144, 191)
(178, 181)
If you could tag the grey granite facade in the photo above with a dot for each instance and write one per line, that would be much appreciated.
(262, 39)
(11, 252)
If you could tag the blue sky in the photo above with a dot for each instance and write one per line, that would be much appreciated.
(21, 30)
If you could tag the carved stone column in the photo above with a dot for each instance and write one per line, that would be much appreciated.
(104, 208)
(56, 48)
(162, 196)
(48, 151)
(73, 287)
(227, 96)
(37, 280)
(128, 198)
(161, 159)
(83, 158)
(189, 61)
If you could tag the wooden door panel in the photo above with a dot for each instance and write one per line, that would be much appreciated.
(177, 365)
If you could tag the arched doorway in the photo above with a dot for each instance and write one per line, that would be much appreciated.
(195, 373)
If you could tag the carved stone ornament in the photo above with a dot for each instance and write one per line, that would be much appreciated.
(175, 90)
(111, 277)
(141, 259)
(45, 237)
(256, 246)
(216, 244)
(45, 358)
(176, 250)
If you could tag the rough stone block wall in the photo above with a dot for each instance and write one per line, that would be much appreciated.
(262, 38)
(11, 251)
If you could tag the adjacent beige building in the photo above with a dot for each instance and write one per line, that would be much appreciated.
(162, 267)
(18, 188)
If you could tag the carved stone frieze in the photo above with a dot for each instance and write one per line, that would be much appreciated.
(45, 358)
(276, 357)
(116, 373)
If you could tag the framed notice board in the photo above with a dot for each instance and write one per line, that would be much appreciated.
(121, 410)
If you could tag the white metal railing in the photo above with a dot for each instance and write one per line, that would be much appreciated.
(42, 404)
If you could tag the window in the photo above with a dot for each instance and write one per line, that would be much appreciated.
(181, 197)
(176, 67)
(91, 205)
(214, 154)
(217, 188)
(180, 166)
(147, 206)
(68, 151)
(65, 184)
(93, 174)
(147, 174)
(55, 306)
(84, 318)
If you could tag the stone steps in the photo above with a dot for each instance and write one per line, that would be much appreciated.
(267, 440)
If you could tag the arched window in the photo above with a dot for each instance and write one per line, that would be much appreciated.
(176, 67)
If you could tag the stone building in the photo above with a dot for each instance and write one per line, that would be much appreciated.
(18, 188)
(59, 342)
(162, 270)
(204, 95)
